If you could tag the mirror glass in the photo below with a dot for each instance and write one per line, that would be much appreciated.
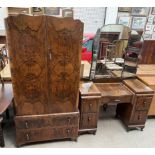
(115, 52)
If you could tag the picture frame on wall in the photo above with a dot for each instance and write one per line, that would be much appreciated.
(148, 27)
(153, 11)
(138, 23)
(146, 36)
(140, 11)
(124, 21)
(154, 20)
(150, 20)
(153, 36)
(124, 9)
(147, 32)
(67, 12)
(37, 10)
(52, 11)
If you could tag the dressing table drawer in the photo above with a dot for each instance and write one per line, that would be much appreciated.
(88, 121)
(90, 105)
(139, 117)
(143, 103)
(117, 99)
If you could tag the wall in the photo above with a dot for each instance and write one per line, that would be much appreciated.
(93, 17)
(3, 14)
(111, 15)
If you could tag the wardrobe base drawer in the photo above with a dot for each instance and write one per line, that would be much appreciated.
(47, 120)
(45, 134)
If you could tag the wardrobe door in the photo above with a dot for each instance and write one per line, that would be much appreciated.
(26, 40)
(64, 37)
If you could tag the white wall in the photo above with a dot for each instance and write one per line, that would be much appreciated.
(3, 14)
(93, 17)
(111, 15)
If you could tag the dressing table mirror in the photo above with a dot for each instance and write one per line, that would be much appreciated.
(115, 53)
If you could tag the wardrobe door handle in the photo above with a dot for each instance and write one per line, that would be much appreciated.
(50, 56)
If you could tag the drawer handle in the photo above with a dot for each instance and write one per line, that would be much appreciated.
(139, 118)
(68, 131)
(89, 119)
(27, 137)
(117, 100)
(26, 125)
(68, 120)
(90, 105)
(145, 103)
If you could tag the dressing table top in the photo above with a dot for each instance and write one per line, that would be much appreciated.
(89, 89)
(113, 89)
(137, 86)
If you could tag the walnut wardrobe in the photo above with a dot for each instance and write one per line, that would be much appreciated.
(45, 58)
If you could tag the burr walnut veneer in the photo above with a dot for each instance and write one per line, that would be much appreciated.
(89, 107)
(45, 55)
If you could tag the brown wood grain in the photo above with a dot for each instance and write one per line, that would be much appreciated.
(64, 43)
(45, 63)
(150, 81)
(148, 53)
(137, 86)
(45, 59)
(28, 61)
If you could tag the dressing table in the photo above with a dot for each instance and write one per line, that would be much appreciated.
(132, 97)
(106, 86)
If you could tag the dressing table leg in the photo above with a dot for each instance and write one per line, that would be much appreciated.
(1, 135)
(142, 129)
(74, 139)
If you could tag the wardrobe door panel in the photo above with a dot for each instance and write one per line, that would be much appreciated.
(26, 39)
(64, 49)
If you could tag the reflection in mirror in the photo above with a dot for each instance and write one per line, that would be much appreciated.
(116, 51)
(132, 54)
(95, 49)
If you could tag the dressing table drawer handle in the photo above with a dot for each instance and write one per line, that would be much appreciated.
(117, 100)
(145, 103)
(68, 131)
(90, 105)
